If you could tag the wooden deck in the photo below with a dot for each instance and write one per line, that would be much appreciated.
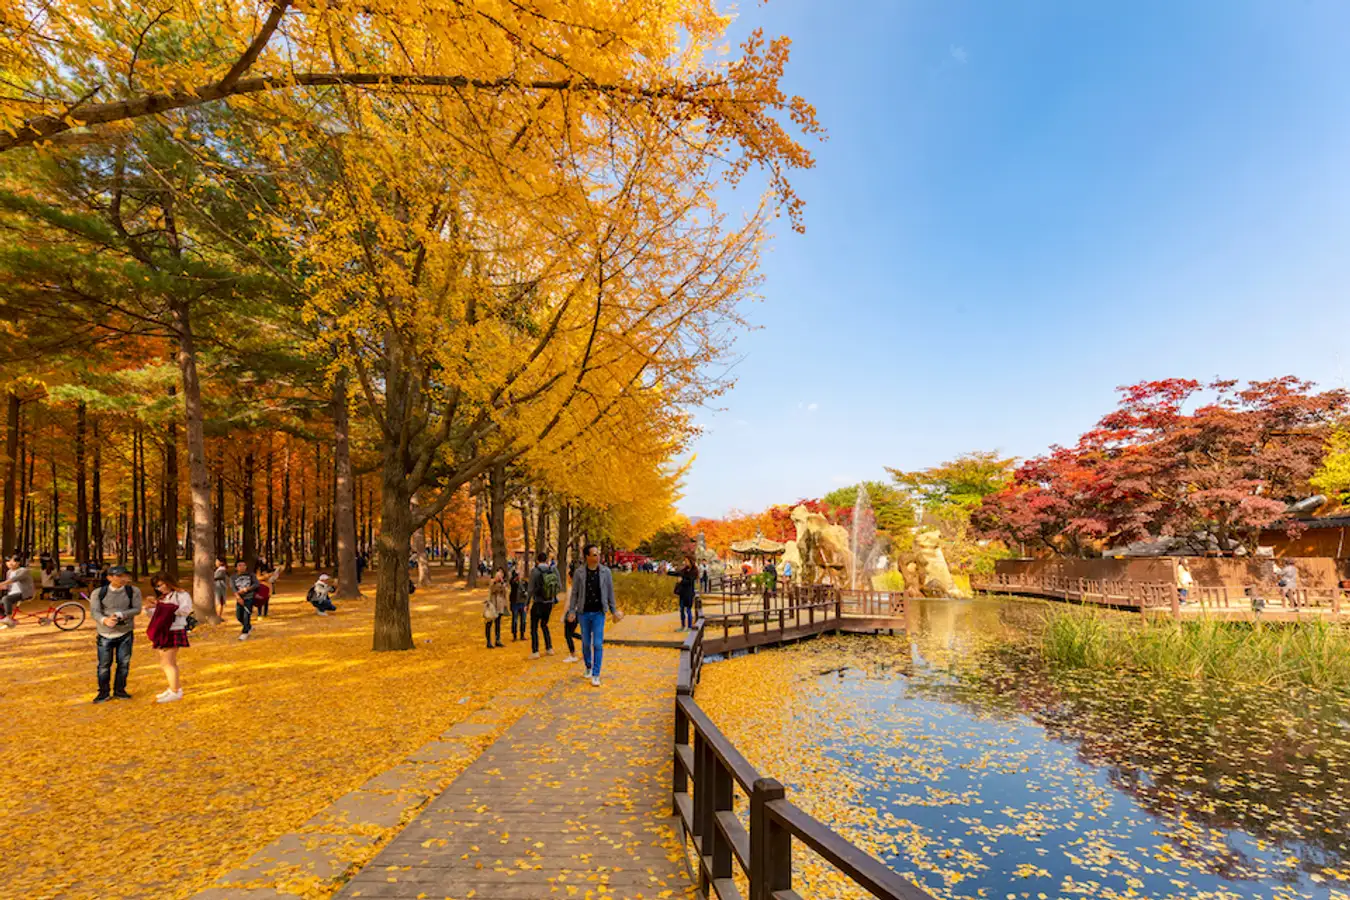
(1160, 599)
(572, 801)
(747, 621)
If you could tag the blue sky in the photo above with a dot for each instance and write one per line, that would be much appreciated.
(1021, 206)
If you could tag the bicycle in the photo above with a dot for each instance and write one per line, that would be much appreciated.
(66, 616)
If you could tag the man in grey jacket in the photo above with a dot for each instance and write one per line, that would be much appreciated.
(592, 596)
(114, 609)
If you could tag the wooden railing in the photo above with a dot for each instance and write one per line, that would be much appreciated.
(1146, 595)
(762, 850)
(795, 611)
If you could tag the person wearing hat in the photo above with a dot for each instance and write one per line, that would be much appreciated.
(113, 608)
(319, 595)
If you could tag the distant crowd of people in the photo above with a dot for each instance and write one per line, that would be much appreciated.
(115, 602)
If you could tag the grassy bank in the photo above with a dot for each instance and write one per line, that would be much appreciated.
(1313, 653)
(645, 593)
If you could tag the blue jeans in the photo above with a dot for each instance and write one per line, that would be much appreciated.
(592, 640)
(108, 648)
(687, 613)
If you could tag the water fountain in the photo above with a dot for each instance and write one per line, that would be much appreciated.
(863, 544)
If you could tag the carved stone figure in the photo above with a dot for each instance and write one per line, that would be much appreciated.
(820, 553)
(936, 577)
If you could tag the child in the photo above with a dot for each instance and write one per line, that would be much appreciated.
(319, 596)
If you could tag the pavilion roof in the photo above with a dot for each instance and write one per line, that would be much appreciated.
(759, 545)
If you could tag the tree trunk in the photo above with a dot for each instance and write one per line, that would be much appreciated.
(25, 485)
(286, 549)
(12, 472)
(97, 513)
(564, 539)
(476, 544)
(56, 515)
(344, 501)
(221, 550)
(170, 526)
(203, 561)
(270, 540)
(250, 513)
(497, 514)
(81, 498)
(541, 525)
(135, 505)
(393, 620)
(525, 529)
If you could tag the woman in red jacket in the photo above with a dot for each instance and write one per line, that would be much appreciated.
(168, 631)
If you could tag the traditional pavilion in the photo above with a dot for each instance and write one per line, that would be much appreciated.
(758, 549)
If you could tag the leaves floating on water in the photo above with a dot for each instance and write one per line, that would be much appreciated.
(963, 760)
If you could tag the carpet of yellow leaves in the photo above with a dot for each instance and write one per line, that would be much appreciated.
(137, 799)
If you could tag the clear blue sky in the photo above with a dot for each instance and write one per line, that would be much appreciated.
(1023, 205)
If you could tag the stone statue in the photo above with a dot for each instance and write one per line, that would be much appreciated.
(820, 553)
(936, 577)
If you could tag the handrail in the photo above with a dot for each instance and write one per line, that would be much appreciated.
(1153, 595)
(706, 810)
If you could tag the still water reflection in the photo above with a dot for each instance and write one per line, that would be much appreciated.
(956, 756)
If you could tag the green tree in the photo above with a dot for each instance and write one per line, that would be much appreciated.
(895, 516)
(960, 484)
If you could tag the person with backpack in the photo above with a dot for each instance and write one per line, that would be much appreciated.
(545, 585)
(494, 607)
(262, 597)
(592, 596)
(320, 593)
(113, 608)
(16, 588)
(517, 599)
(168, 630)
(245, 585)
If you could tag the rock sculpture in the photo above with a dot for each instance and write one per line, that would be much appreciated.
(820, 553)
(936, 577)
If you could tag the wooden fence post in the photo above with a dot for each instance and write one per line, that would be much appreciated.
(770, 860)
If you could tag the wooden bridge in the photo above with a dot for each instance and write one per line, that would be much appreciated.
(743, 620)
(1161, 598)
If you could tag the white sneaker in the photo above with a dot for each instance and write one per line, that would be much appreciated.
(549, 651)
(586, 674)
(534, 656)
(244, 636)
(169, 697)
(323, 612)
(164, 693)
(570, 659)
(595, 681)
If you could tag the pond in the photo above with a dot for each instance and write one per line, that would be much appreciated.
(959, 758)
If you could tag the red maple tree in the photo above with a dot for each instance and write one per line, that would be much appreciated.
(1212, 464)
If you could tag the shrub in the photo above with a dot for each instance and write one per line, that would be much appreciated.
(645, 593)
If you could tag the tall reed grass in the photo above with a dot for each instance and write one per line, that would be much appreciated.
(1314, 654)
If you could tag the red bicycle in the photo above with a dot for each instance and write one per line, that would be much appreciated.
(66, 616)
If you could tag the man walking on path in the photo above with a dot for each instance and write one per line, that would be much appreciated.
(245, 586)
(544, 588)
(114, 608)
(17, 587)
(591, 597)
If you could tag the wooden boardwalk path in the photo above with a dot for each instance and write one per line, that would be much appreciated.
(572, 801)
